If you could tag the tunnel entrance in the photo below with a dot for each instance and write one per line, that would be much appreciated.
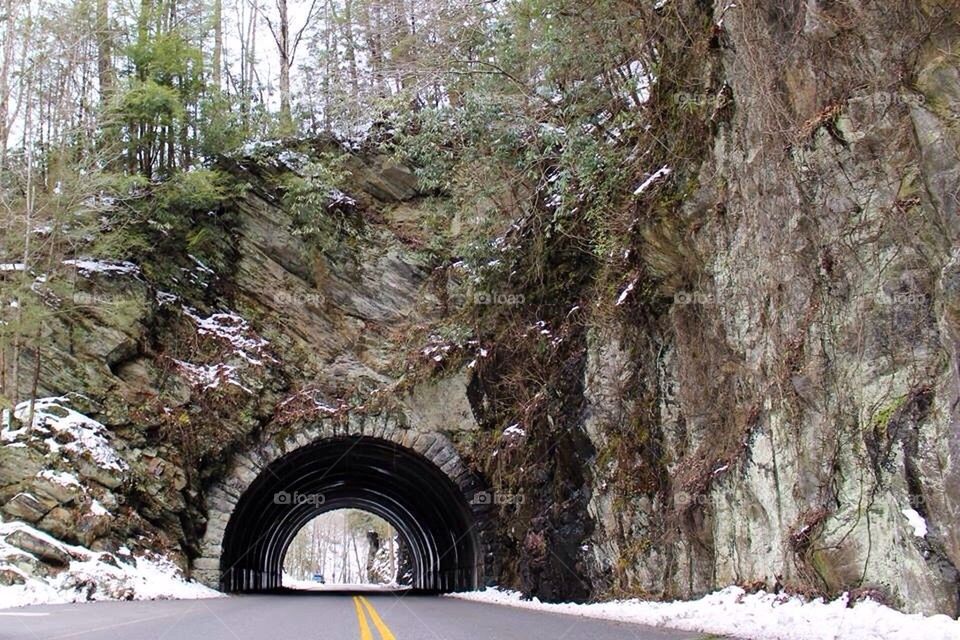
(431, 514)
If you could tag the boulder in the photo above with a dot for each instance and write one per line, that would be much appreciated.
(28, 507)
(10, 577)
(61, 523)
(44, 550)
(18, 462)
(52, 489)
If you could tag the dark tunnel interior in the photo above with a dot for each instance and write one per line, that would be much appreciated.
(401, 486)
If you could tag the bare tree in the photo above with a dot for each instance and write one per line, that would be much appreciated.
(11, 9)
(287, 41)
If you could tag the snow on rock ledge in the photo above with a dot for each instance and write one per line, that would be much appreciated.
(88, 266)
(52, 418)
(88, 575)
(758, 616)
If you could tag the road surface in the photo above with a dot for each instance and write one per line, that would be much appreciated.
(312, 616)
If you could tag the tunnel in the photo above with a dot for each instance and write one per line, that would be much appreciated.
(398, 484)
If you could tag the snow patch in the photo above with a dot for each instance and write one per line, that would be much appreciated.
(916, 521)
(52, 416)
(232, 329)
(514, 431)
(60, 477)
(87, 266)
(659, 174)
(202, 267)
(163, 298)
(210, 376)
(626, 293)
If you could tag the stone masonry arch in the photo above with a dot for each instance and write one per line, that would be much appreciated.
(414, 479)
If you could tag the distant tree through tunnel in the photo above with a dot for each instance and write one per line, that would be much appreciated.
(344, 547)
(435, 521)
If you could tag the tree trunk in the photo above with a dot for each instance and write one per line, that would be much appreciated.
(35, 382)
(373, 547)
(217, 43)
(10, 22)
(104, 62)
(283, 46)
(351, 47)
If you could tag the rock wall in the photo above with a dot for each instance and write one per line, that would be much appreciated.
(184, 370)
(803, 376)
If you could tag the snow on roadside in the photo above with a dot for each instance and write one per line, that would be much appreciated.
(758, 616)
(91, 575)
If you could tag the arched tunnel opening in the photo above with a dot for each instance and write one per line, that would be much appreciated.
(430, 513)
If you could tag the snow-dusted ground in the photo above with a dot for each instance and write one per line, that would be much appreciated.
(92, 576)
(759, 616)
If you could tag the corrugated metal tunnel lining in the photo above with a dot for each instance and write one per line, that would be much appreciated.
(397, 484)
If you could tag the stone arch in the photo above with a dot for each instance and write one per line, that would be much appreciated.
(415, 480)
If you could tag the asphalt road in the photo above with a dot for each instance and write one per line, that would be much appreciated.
(312, 616)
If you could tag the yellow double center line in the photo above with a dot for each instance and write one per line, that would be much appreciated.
(361, 603)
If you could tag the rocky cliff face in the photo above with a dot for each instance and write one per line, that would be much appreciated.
(177, 366)
(770, 398)
(801, 387)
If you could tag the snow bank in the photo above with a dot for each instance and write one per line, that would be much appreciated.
(759, 616)
(91, 575)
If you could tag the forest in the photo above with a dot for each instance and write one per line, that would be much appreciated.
(113, 115)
